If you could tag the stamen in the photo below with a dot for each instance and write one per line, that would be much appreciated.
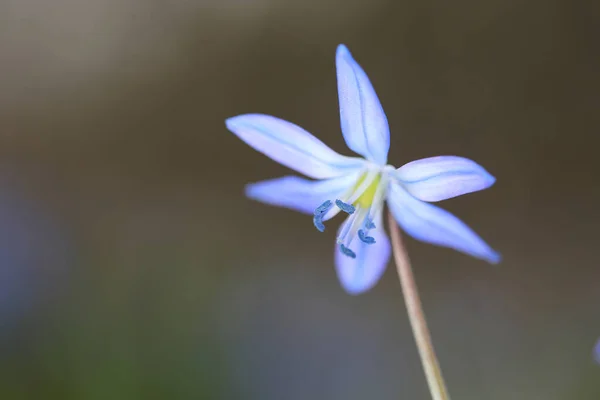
(346, 227)
(348, 208)
(318, 222)
(353, 192)
(347, 251)
(378, 200)
(323, 208)
(364, 238)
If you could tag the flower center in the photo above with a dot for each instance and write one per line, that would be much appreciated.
(366, 198)
(363, 202)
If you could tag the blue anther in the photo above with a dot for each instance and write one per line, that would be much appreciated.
(370, 225)
(323, 208)
(345, 207)
(364, 238)
(318, 222)
(347, 251)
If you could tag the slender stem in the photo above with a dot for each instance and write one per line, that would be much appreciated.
(437, 387)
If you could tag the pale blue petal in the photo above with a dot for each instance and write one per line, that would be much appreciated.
(363, 121)
(300, 194)
(443, 177)
(431, 224)
(290, 145)
(597, 352)
(357, 275)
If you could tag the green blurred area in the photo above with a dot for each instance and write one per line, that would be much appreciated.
(132, 266)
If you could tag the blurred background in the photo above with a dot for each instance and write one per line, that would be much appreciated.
(132, 266)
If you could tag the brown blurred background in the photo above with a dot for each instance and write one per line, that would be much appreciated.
(132, 266)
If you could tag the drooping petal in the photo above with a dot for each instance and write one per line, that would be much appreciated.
(357, 275)
(443, 177)
(431, 224)
(300, 194)
(290, 145)
(363, 120)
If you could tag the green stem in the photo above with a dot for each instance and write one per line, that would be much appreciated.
(437, 387)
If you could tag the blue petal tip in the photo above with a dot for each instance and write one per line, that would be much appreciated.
(494, 258)
(342, 50)
(248, 191)
(231, 123)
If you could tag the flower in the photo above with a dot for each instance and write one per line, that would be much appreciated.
(359, 187)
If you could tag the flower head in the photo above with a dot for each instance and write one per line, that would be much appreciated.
(358, 187)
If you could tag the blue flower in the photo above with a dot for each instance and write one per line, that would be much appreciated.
(359, 187)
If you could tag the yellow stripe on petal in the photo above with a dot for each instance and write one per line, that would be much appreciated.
(366, 198)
